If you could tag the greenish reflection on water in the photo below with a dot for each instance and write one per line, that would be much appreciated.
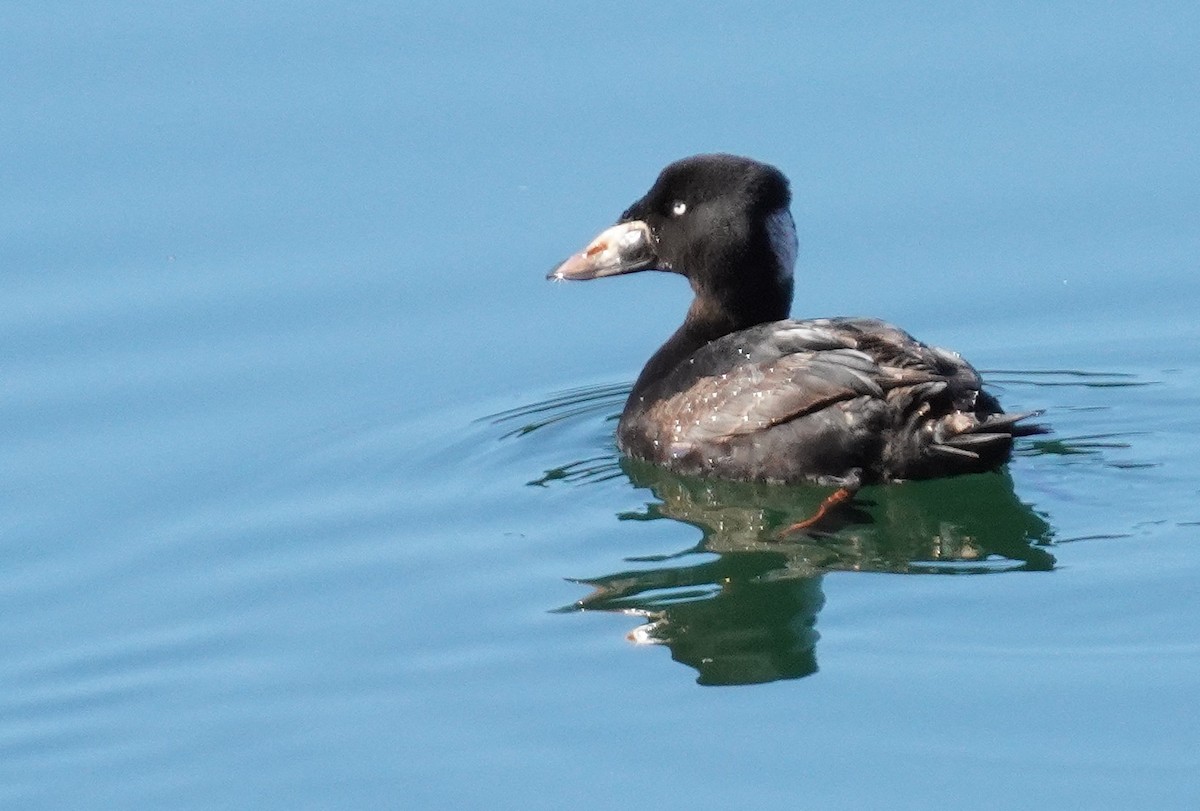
(740, 606)
(749, 614)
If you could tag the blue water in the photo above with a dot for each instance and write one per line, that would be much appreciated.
(310, 497)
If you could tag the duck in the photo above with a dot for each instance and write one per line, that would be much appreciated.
(742, 391)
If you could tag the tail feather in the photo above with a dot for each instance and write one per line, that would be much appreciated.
(965, 443)
(1007, 423)
(968, 439)
(1029, 429)
(951, 450)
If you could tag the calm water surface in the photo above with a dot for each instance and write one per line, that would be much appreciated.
(310, 492)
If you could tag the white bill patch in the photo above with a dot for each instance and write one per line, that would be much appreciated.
(781, 231)
(631, 239)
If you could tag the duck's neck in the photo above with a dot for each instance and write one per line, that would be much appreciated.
(703, 324)
(718, 310)
(707, 319)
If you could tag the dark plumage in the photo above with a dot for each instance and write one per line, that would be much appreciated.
(740, 391)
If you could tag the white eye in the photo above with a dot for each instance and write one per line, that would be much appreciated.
(679, 208)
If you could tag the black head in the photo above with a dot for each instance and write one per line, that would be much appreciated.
(720, 220)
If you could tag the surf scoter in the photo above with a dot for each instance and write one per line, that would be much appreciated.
(741, 391)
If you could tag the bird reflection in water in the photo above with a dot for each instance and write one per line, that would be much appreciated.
(748, 615)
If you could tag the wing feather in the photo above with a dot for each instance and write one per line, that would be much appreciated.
(756, 396)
